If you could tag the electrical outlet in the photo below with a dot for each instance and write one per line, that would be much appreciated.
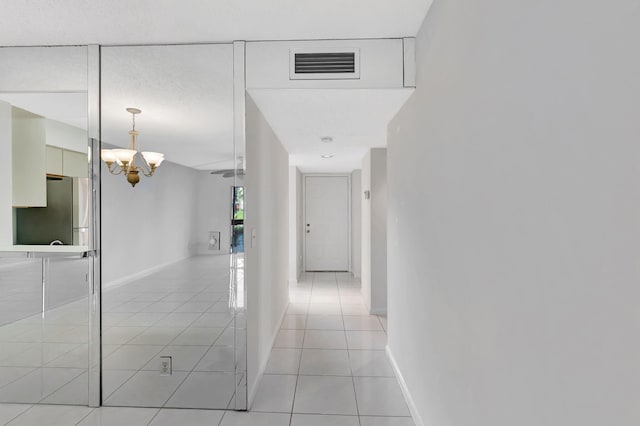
(165, 366)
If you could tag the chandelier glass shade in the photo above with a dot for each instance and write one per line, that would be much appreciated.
(129, 161)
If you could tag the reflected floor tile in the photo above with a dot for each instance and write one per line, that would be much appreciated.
(183, 358)
(294, 322)
(289, 339)
(186, 417)
(203, 336)
(10, 411)
(213, 319)
(194, 307)
(179, 297)
(275, 393)
(156, 336)
(131, 357)
(217, 358)
(38, 355)
(119, 416)
(146, 389)
(298, 309)
(11, 374)
(143, 319)
(120, 335)
(51, 415)
(283, 361)
(323, 420)
(236, 418)
(178, 319)
(74, 393)
(128, 307)
(77, 358)
(325, 395)
(386, 421)
(114, 318)
(204, 390)
(113, 379)
(162, 307)
(380, 396)
(38, 384)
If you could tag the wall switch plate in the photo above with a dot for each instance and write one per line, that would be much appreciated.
(165, 366)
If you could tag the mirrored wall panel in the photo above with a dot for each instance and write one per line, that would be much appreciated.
(172, 215)
(45, 278)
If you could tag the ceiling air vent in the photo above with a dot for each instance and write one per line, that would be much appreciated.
(325, 64)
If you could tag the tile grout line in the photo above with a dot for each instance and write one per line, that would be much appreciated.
(304, 335)
(353, 383)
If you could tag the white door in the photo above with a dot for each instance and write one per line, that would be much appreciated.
(326, 226)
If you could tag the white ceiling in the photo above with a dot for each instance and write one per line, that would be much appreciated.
(186, 93)
(68, 108)
(186, 97)
(356, 119)
(51, 22)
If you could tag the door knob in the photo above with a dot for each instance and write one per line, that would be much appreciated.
(308, 232)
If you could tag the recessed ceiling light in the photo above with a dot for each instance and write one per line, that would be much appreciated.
(327, 156)
(326, 139)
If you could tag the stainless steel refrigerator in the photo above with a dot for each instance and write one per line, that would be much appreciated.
(63, 221)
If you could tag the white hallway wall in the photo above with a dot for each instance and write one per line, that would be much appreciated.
(374, 230)
(148, 226)
(164, 219)
(514, 216)
(295, 224)
(356, 223)
(267, 258)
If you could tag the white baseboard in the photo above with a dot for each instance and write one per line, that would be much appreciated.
(138, 275)
(417, 419)
(263, 364)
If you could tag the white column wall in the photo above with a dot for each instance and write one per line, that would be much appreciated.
(267, 259)
(514, 216)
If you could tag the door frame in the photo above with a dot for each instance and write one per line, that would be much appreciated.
(304, 216)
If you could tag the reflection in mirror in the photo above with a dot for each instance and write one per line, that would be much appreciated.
(43, 200)
(170, 311)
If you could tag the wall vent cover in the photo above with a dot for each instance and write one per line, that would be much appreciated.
(324, 64)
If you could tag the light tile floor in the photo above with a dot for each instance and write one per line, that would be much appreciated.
(328, 367)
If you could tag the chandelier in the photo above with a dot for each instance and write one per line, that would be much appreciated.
(123, 161)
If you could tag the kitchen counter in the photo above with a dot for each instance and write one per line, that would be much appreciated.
(44, 250)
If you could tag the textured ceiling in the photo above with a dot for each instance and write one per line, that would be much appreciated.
(186, 97)
(185, 92)
(51, 22)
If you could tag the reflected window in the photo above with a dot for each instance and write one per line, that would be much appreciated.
(237, 220)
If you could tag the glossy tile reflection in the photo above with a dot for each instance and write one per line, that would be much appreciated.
(43, 330)
(182, 312)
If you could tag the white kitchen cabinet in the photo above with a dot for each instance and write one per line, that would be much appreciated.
(29, 186)
(74, 164)
(54, 160)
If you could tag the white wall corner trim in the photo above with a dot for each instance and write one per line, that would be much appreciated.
(263, 364)
(417, 419)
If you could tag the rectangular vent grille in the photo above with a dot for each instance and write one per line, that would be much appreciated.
(325, 63)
